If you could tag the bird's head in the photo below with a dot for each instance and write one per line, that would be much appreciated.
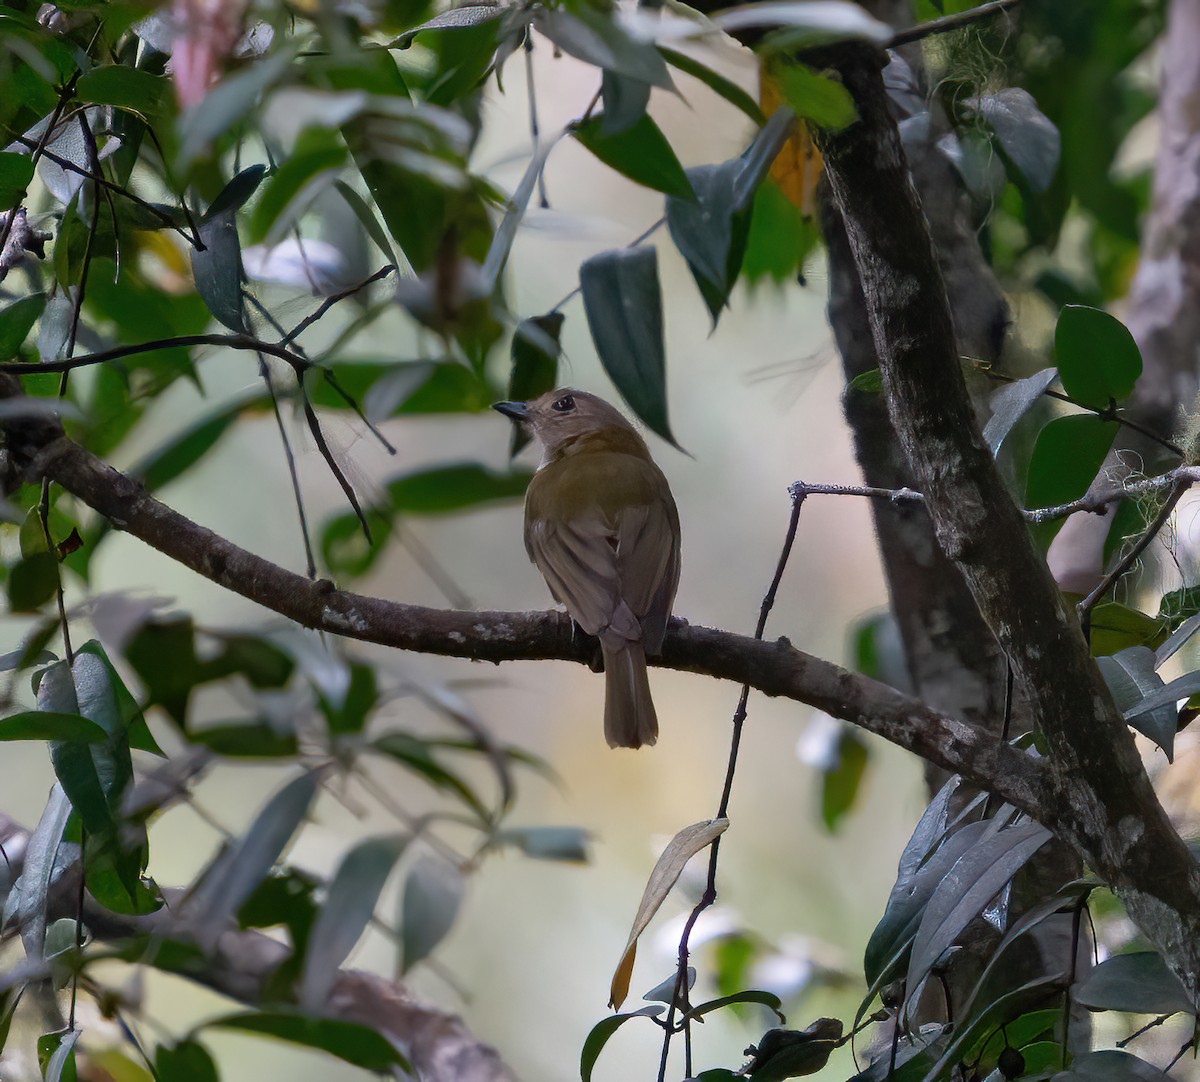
(566, 415)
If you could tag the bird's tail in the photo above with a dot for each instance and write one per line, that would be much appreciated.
(629, 717)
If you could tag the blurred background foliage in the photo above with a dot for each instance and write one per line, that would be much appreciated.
(308, 245)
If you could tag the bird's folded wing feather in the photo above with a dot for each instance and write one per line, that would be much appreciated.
(648, 565)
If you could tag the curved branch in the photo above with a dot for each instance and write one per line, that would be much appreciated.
(775, 668)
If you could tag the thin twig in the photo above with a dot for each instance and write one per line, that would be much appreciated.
(535, 134)
(679, 996)
(1145, 1029)
(949, 22)
(330, 301)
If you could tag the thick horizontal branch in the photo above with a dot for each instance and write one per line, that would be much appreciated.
(775, 668)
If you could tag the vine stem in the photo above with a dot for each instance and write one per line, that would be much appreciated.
(709, 896)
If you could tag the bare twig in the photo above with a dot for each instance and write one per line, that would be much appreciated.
(950, 22)
(330, 301)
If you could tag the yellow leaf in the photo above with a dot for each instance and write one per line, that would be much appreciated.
(685, 845)
(797, 167)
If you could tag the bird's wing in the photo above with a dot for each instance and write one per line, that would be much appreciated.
(579, 562)
(648, 564)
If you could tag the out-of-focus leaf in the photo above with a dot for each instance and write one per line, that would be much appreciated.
(226, 104)
(1097, 358)
(249, 740)
(56, 1054)
(358, 1045)
(839, 785)
(317, 153)
(807, 23)
(535, 352)
(416, 756)
(1011, 403)
(433, 892)
(624, 102)
(814, 97)
(366, 218)
(595, 37)
(1138, 983)
(16, 321)
(752, 995)
(600, 1033)
(344, 915)
(1066, 458)
(37, 873)
(780, 239)
(460, 18)
(242, 864)
(32, 582)
(124, 86)
(685, 845)
(16, 172)
(1131, 679)
(399, 388)
(349, 712)
(44, 725)
(623, 303)
(716, 82)
(1110, 1065)
(186, 1061)
(548, 843)
(638, 151)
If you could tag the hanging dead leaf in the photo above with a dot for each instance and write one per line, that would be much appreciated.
(797, 167)
(685, 845)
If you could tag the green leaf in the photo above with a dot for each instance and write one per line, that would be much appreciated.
(415, 755)
(753, 995)
(839, 784)
(32, 582)
(624, 102)
(342, 919)
(535, 352)
(217, 268)
(595, 37)
(1117, 627)
(1066, 458)
(402, 388)
(639, 152)
(452, 488)
(433, 891)
(716, 82)
(358, 1045)
(1027, 138)
(869, 382)
(124, 86)
(186, 1061)
(781, 238)
(623, 303)
(1097, 358)
(1011, 403)
(56, 1055)
(16, 173)
(183, 449)
(548, 843)
(136, 730)
(16, 321)
(807, 25)
(1138, 983)
(600, 1033)
(28, 899)
(789, 1053)
(366, 218)
(816, 98)
(460, 18)
(249, 740)
(317, 153)
(46, 725)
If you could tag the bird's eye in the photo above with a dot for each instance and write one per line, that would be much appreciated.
(564, 404)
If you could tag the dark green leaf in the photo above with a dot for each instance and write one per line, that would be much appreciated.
(788, 1053)
(716, 82)
(358, 1045)
(128, 87)
(236, 194)
(16, 172)
(433, 891)
(453, 488)
(366, 218)
(1138, 983)
(349, 713)
(416, 756)
(460, 18)
(218, 267)
(814, 97)
(1131, 679)
(184, 449)
(342, 919)
(598, 1037)
(317, 151)
(535, 352)
(250, 740)
(1012, 402)
(32, 582)
(401, 388)
(869, 382)
(623, 303)
(638, 151)
(1183, 633)
(624, 101)
(56, 1054)
(1027, 138)
(186, 1061)
(136, 730)
(710, 232)
(839, 784)
(243, 864)
(1182, 688)
(41, 725)
(1066, 458)
(767, 999)
(163, 654)
(16, 321)
(38, 872)
(1097, 358)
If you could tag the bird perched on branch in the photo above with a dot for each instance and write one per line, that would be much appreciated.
(601, 526)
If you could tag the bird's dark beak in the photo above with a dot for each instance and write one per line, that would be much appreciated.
(518, 411)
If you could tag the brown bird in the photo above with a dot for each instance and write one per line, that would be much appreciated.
(601, 526)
